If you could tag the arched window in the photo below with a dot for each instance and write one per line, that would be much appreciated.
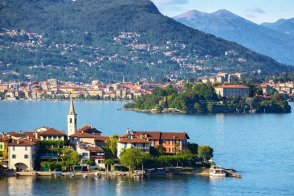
(70, 120)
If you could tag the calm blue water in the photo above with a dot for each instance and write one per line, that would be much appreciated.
(259, 146)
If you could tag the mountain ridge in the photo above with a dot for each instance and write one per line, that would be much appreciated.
(110, 39)
(230, 26)
(282, 25)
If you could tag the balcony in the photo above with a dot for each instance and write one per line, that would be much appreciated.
(97, 157)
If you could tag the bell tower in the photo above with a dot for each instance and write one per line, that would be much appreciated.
(71, 119)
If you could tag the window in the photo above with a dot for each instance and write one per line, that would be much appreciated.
(85, 154)
(171, 150)
(170, 142)
(70, 120)
(14, 156)
(125, 146)
(26, 156)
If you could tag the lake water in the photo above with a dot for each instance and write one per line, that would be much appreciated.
(259, 147)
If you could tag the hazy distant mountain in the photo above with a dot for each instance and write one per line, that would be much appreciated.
(283, 25)
(110, 39)
(232, 27)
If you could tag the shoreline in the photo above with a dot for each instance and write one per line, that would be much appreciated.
(176, 171)
(176, 111)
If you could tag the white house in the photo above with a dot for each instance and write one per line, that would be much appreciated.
(90, 152)
(21, 155)
(130, 140)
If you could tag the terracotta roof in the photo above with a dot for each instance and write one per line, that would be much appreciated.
(29, 134)
(133, 141)
(4, 139)
(22, 143)
(174, 136)
(88, 129)
(233, 86)
(52, 131)
(94, 149)
(101, 138)
(155, 135)
(83, 135)
(16, 134)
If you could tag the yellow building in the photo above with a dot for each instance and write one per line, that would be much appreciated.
(3, 149)
(232, 91)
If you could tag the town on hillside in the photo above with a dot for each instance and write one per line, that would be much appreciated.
(56, 89)
(87, 149)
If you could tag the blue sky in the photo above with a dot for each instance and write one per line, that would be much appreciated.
(257, 11)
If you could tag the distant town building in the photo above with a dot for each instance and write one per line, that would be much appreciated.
(232, 90)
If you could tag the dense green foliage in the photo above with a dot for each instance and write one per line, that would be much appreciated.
(205, 152)
(67, 159)
(111, 144)
(135, 158)
(132, 158)
(201, 98)
(76, 42)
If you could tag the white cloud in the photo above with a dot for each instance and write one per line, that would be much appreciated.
(254, 12)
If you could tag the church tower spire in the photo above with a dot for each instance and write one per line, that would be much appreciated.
(71, 119)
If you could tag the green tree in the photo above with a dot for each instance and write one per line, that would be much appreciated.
(108, 162)
(193, 147)
(69, 158)
(161, 150)
(111, 144)
(205, 152)
(133, 158)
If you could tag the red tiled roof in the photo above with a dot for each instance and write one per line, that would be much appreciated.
(233, 86)
(101, 138)
(29, 134)
(4, 139)
(155, 135)
(16, 134)
(22, 143)
(134, 140)
(83, 135)
(174, 136)
(88, 129)
(52, 131)
(94, 149)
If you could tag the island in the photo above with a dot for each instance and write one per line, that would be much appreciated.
(85, 151)
(208, 98)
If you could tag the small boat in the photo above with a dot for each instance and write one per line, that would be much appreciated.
(217, 172)
(72, 175)
(57, 174)
(97, 176)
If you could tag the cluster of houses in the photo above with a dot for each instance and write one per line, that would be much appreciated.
(52, 88)
(280, 87)
(222, 77)
(20, 150)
